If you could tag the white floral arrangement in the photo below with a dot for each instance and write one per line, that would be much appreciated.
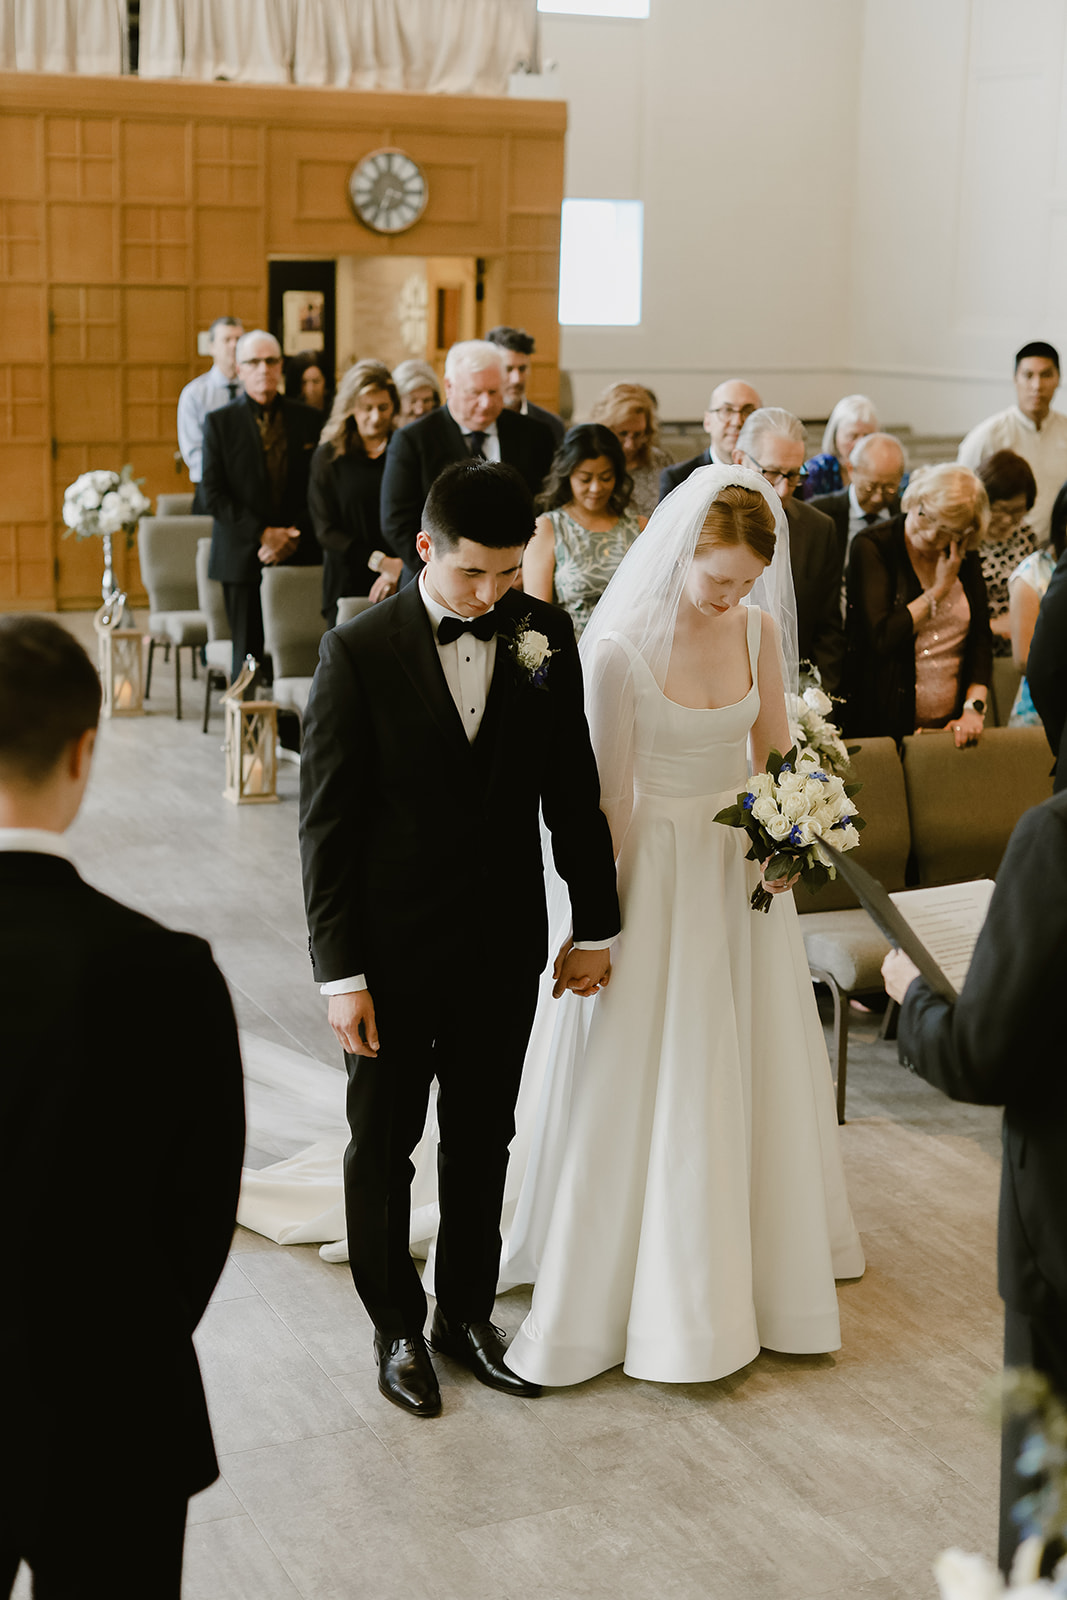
(104, 503)
(786, 811)
(533, 652)
(810, 725)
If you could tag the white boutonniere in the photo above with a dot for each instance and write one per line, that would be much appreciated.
(533, 653)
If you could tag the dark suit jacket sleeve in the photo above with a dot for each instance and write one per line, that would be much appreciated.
(872, 589)
(220, 494)
(207, 1124)
(403, 497)
(1046, 667)
(570, 801)
(666, 482)
(327, 518)
(333, 824)
(828, 639)
(1004, 1034)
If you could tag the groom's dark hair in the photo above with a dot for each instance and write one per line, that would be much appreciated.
(49, 696)
(484, 501)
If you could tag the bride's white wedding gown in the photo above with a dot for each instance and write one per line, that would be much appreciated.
(684, 1201)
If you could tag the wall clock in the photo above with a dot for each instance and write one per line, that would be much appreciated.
(388, 191)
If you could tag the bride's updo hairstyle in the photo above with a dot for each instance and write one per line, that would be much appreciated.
(739, 516)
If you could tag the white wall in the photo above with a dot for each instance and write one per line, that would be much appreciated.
(839, 195)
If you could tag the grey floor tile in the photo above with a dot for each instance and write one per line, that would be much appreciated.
(317, 1302)
(231, 1560)
(215, 1503)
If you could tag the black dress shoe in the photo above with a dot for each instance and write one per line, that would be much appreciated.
(406, 1375)
(479, 1346)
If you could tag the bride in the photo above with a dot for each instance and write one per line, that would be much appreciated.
(684, 1201)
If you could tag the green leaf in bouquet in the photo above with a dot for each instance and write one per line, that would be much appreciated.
(731, 817)
(780, 866)
(852, 788)
(774, 763)
(859, 823)
(815, 877)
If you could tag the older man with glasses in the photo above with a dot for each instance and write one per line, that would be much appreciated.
(257, 455)
(774, 443)
(876, 467)
(729, 408)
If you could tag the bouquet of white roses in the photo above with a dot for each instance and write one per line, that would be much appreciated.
(786, 811)
(809, 723)
(104, 503)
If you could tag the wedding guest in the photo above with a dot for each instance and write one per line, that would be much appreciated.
(730, 406)
(876, 467)
(219, 386)
(920, 653)
(1012, 490)
(257, 455)
(586, 527)
(472, 422)
(829, 471)
(1046, 667)
(305, 380)
(419, 389)
(629, 410)
(1001, 1044)
(1026, 589)
(772, 442)
(1031, 428)
(518, 346)
(344, 493)
(112, 1120)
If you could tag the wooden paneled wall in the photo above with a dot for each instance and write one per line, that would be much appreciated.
(133, 213)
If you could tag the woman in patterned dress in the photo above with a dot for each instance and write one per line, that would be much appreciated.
(586, 527)
(1026, 589)
(1012, 490)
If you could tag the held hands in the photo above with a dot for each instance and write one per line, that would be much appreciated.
(351, 1017)
(387, 580)
(898, 973)
(275, 544)
(581, 971)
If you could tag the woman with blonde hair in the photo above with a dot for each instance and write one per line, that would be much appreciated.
(850, 420)
(919, 644)
(684, 1202)
(419, 389)
(344, 491)
(629, 410)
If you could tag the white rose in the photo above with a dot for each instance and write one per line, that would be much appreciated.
(765, 811)
(845, 838)
(778, 827)
(818, 700)
(71, 513)
(761, 784)
(965, 1577)
(533, 649)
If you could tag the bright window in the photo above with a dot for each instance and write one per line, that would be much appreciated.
(596, 8)
(600, 263)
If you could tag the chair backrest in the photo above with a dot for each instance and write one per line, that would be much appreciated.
(293, 624)
(964, 803)
(885, 842)
(209, 595)
(167, 550)
(350, 605)
(174, 505)
(1005, 686)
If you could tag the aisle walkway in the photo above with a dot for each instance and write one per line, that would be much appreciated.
(816, 1478)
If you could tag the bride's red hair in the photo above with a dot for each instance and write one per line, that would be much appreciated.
(739, 516)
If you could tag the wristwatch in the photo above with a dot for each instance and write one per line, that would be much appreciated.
(975, 705)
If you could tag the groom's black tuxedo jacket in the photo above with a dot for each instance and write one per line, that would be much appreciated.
(1002, 1043)
(420, 452)
(419, 846)
(122, 1111)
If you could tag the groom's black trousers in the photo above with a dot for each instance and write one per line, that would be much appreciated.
(473, 1040)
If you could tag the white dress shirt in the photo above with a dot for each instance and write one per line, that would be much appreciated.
(1045, 448)
(857, 523)
(467, 663)
(38, 841)
(491, 442)
(206, 393)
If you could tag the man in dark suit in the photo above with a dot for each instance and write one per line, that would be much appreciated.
(439, 724)
(1046, 669)
(518, 346)
(1001, 1044)
(472, 422)
(257, 456)
(774, 443)
(123, 1127)
(729, 408)
(877, 466)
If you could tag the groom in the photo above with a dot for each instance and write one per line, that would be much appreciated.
(438, 725)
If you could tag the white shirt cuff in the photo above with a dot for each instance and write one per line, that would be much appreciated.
(344, 985)
(594, 944)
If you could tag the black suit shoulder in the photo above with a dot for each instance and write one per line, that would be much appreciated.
(671, 477)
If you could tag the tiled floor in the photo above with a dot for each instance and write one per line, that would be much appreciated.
(802, 1478)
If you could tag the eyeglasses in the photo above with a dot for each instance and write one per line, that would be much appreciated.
(935, 526)
(737, 413)
(776, 475)
(262, 361)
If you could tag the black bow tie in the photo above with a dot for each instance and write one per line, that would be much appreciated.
(451, 628)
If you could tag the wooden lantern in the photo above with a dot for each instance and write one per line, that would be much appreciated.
(120, 657)
(251, 744)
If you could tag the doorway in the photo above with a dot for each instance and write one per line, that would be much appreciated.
(400, 308)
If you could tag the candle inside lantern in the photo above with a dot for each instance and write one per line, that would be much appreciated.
(125, 695)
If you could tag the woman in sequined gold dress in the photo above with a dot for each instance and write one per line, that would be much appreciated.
(587, 524)
(920, 653)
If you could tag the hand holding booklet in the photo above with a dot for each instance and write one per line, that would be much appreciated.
(938, 928)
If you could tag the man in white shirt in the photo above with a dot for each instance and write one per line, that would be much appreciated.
(1031, 428)
(219, 386)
